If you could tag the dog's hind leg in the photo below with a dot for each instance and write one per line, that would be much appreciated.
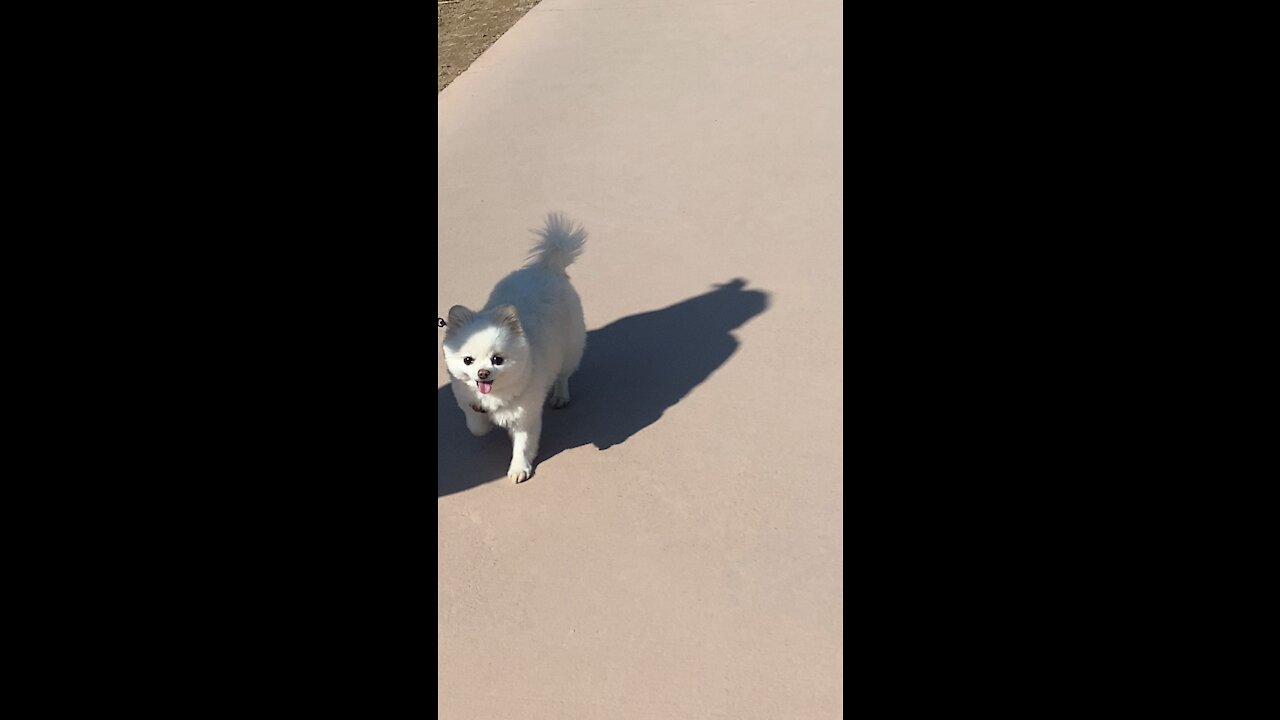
(559, 392)
(573, 357)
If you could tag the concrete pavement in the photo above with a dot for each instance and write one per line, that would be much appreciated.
(678, 552)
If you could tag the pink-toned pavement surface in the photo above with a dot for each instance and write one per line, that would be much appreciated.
(678, 552)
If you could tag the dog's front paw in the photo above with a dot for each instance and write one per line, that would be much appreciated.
(519, 473)
(557, 402)
(478, 424)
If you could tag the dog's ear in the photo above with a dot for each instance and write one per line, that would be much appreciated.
(506, 316)
(459, 316)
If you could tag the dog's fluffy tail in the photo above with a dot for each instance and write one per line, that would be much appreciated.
(559, 244)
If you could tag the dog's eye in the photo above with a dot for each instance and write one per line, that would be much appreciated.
(468, 360)
(497, 359)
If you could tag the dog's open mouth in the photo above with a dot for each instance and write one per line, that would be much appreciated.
(484, 387)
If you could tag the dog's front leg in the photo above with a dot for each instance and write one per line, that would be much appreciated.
(478, 424)
(524, 445)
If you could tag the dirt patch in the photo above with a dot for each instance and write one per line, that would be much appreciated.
(465, 28)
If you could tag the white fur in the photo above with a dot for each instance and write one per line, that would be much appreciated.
(540, 343)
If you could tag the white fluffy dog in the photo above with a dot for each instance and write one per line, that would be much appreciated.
(525, 343)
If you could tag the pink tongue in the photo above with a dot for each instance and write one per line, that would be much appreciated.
(484, 387)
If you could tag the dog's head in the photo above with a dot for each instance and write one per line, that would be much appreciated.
(487, 350)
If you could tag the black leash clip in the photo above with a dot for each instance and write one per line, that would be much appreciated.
(441, 321)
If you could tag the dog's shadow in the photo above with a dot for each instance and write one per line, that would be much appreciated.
(632, 371)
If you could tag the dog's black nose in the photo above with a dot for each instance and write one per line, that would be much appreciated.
(482, 374)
